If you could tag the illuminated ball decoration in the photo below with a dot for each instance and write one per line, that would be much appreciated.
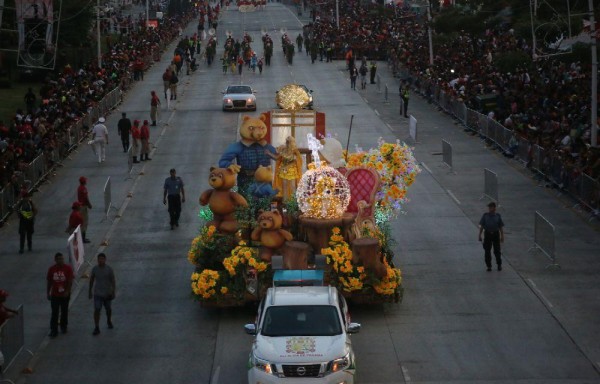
(323, 193)
(292, 97)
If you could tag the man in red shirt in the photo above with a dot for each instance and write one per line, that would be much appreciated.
(58, 289)
(84, 201)
(75, 218)
(145, 137)
(154, 104)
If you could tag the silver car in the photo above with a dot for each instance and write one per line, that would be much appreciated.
(239, 97)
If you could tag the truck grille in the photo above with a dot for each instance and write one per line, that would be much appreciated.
(239, 103)
(310, 370)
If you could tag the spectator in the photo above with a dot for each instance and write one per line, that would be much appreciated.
(5, 312)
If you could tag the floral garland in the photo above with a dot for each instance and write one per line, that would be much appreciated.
(397, 168)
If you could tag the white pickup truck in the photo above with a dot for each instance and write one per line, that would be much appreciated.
(302, 336)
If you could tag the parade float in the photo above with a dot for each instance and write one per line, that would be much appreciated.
(286, 200)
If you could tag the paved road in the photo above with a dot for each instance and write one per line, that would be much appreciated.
(457, 323)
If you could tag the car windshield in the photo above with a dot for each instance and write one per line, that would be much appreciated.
(238, 89)
(301, 320)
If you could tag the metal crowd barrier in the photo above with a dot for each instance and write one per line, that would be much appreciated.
(490, 185)
(447, 154)
(543, 239)
(12, 338)
(543, 161)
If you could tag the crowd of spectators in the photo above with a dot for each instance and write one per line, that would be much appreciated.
(547, 104)
(67, 94)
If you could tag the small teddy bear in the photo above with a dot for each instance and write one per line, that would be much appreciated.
(221, 200)
(261, 187)
(270, 234)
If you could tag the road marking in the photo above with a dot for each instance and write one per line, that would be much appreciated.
(426, 167)
(376, 112)
(215, 378)
(405, 373)
(452, 196)
(540, 294)
(390, 127)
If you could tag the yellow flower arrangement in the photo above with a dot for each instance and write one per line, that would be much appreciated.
(200, 243)
(389, 284)
(243, 255)
(348, 276)
(204, 284)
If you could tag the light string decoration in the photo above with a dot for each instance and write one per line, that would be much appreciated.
(323, 192)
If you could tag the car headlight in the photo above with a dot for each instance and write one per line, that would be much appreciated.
(250, 100)
(227, 101)
(261, 364)
(340, 364)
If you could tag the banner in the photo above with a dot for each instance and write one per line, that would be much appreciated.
(37, 35)
(75, 249)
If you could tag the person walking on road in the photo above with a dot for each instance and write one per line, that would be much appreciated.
(363, 75)
(27, 211)
(59, 280)
(124, 130)
(84, 205)
(173, 81)
(154, 104)
(174, 194)
(492, 227)
(75, 218)
(5, 312)
(353, 76)
(145, 138)
(103, 290)
(100, 137)
(136, 140)
(373, 71)
(405, 96)
(166, 77)
(299, 41)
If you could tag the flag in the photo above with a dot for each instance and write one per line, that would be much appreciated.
(75, 249)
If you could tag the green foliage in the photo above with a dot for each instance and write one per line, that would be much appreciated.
(511, 61)
(76, 22)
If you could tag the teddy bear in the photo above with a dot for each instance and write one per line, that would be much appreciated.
(250, 152)
(270, 234)
(261, 187)
(221, 200)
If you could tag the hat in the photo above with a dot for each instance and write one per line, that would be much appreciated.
(3, 293)
(82, 179)
(492, 204)
(145, 122)
(332, 152)
(76, 205)
(101, 120)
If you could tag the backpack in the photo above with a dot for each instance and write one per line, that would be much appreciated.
(174, 79)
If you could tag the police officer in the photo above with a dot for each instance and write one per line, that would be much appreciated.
(174, 194)
(27, 211)
(492, 227)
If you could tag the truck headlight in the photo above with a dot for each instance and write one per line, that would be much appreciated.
(340, 364)
(261, 364)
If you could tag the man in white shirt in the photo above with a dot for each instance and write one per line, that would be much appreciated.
(100, 137)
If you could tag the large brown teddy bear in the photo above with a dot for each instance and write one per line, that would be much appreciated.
(270, 234)
(250, 151)
(221, 200)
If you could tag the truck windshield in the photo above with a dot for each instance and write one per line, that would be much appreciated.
(301, 320)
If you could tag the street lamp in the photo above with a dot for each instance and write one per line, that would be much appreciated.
(594, 126)
(98, 34)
